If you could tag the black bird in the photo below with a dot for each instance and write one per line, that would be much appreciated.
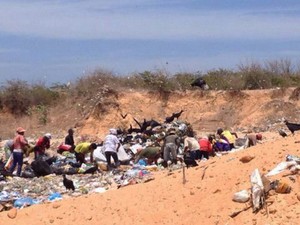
(282, 133)
(68, 183)
(154, 123)
(92, 170)
(130, 130)
(170, 119)
(138, 123)
(120, 131)
(199, 82)
(148, 132)
(124, 116)
(292, 126)
(177, 115)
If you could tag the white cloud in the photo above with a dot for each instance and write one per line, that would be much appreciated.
(136, 19)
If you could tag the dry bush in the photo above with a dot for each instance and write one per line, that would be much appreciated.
(103, 108)
(223, 79)
(18, 96)
(295, 94)
(87, 86)
(182, 81)
(278, 93)
(236, 94)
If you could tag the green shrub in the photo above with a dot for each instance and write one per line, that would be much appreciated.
(18, 96)
(222, 79)
(157, 81)
(182, 81)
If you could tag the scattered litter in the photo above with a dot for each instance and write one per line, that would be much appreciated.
(281, 167)
(280, 187)
(55, 196)
(241, 196)
(246, 159)
(257, 190)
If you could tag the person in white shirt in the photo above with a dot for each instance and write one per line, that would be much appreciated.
(111, 146)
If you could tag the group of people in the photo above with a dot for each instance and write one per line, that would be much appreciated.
(166, 148)
(19, 146)
(193, 147)
(16, 148)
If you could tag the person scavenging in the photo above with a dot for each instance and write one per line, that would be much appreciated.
(170, 146)
(227, 139)
(69, 139)
(84, 148)
(111, 146)
(19, 144)
(41, 145)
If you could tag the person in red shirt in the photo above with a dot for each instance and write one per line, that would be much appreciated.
(205, 147)
(41, 145)
(19, 145)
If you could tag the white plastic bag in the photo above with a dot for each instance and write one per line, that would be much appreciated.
(241, 196)
(281, 167)
(257, 190)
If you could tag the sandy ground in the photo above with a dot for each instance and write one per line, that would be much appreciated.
(206, 197)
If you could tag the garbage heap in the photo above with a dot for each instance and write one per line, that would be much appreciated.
(35, 187)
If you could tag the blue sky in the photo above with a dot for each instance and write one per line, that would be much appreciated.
(58, 41)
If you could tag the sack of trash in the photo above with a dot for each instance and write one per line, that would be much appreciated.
(257, 190)
(280, 187)
(281, 167)
(241, 196)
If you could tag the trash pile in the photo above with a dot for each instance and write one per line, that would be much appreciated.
(42, 179)
(20, 192)
(262, 185)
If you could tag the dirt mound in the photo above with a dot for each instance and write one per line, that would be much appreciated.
(260, 110)
(206, 198)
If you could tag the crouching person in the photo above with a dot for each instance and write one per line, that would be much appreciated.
(253, 139)
(41, 145)
(205, 147)
(82, 149)
(152, 154)
(170, 146)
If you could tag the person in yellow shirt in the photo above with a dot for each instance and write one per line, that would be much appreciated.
(228, 136)
(84, 148)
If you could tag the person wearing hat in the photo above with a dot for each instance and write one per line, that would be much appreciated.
(41, 145)
(253, 138)
(170, 146)
(111, 146)
(82, 149)
(19, 145)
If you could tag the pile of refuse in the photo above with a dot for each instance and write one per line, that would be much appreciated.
(263, 185)
(21, 192)
(42, 179)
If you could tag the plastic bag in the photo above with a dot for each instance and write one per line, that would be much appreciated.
(142, 162)
(55, 196)
(241, 196)
(23, 202)
(281, 167)
(257, 190)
